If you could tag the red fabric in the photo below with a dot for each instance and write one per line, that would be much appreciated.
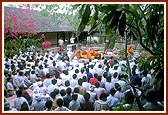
(92, 81)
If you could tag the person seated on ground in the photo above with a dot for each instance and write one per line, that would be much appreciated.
(67, 98)
(98, 90)
(82, 90)
(39, 105)
(101, 104)
(152, 102)
(120, 95)
(10, 87)
(74, 105)
(129, 100)
(60, 104)
(93, 80)
(80, 97)
(18, 101)
(87, 105)
(93, 95)
(49, 105)
(7, 106)
(111, 100)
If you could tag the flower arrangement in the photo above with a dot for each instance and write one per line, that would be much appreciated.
(46, 44)
(42, 36)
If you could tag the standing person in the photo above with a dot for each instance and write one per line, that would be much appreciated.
(72, 40)
(60, 42)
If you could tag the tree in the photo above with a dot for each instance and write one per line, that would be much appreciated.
(19, 29)
(141, 22)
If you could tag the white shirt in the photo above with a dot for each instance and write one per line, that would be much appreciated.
(72, 40)
(111, 100)
(61, 42)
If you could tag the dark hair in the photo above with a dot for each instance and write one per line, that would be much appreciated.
(62, 92)
(21, 73)
(60, 102)
(19, 93)
(67, 83)
(54, 81)
(108, 79)
(117, 86)
(112, 91)
(151, 96)
(47, 75)
(84, 79)
(68, 90)
(76, 70)
(103, 96)
(80, 81)
(97, 84)
(74, 76)
(48, 104)
(129, 97)
(96, 75)
(32, 72)
(75, 97)
(86, 96)
(76, 90)
(24, 107)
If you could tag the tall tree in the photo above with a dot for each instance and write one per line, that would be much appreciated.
(141, 22)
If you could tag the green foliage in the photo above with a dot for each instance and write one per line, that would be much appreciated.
(122, 106)
(85, 18)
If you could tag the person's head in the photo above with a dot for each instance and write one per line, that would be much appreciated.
(99, 78)
(49, 104)
(87, 69)
(115, 74)
(62, 92)
(99, 66)
(76, 90)
(84, 79)
(54, 93)
(24, 107)
(47, 75)
(108, 79)
(86, 96)
(129, 97)
(74, 76)
(60, 102)
(82, 70)
(33, 72)
(67, 83)
(21, 73)
(53, 81)
(19, 93)
(95, 75)
(76, 70)
(97, 84)
(65, 72)
(151, 96)
(117, 86)
(80, 81)
(103, 96)
(74, 97)
(9, 79)
(112, 91)
(68, 90)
